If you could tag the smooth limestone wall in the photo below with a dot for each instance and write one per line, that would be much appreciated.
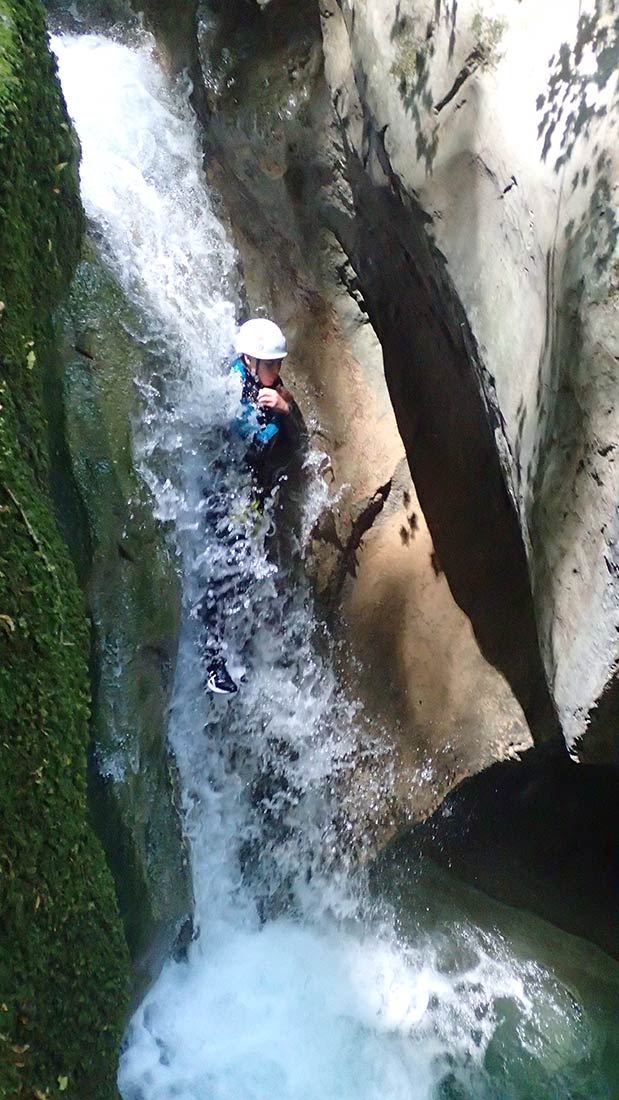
(275, 153)
(454, 167)
(493, 126)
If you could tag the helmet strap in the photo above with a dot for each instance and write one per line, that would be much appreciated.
(247, 359)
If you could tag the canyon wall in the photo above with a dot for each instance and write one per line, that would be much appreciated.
(60, 922)
(423, 194)
(494, 125)
(275, 154)
(128, 572)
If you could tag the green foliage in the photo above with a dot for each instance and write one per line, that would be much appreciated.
(489, 33)
(63, 962)
(411, 50)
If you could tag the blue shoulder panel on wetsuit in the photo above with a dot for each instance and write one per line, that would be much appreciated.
(246, 424)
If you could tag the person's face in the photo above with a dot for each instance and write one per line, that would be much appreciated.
(268, 370)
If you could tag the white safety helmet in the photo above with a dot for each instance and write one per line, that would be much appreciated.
(261, 339)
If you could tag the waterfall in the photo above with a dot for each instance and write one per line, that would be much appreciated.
(298, 984)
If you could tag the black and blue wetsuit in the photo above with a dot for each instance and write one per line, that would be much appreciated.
(268, 438)
(263, 429)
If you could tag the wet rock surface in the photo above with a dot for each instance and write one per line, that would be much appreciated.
(414, 190)
(64, 968)
(276, 152)
(401, 364)
(133, 597)
(461, 185)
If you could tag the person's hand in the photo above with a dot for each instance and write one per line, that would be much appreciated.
(271, 399)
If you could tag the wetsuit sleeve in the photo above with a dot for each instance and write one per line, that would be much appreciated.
(244, 424)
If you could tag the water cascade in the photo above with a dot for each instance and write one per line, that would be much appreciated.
(299, 982)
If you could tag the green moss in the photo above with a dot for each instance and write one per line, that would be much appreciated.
(488, 33)
(63, 961)
(134, 599)
(411, 48)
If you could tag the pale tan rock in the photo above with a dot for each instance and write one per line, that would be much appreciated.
(499, 120)
(427, 687)
(423, 672)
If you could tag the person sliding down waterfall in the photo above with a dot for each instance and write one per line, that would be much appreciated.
(267, 425)
(265, 421)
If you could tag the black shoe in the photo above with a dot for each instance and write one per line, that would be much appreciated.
(220, 681)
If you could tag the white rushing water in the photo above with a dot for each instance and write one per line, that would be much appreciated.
(296, 986)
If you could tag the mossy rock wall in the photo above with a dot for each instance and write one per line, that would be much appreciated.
(134, 599)
(63, 958)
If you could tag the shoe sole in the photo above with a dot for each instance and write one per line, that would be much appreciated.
(221, 691)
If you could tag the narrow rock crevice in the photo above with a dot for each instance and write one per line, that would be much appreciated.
(476, 58)
(447, 420)
(365, 518)
(441, 391)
